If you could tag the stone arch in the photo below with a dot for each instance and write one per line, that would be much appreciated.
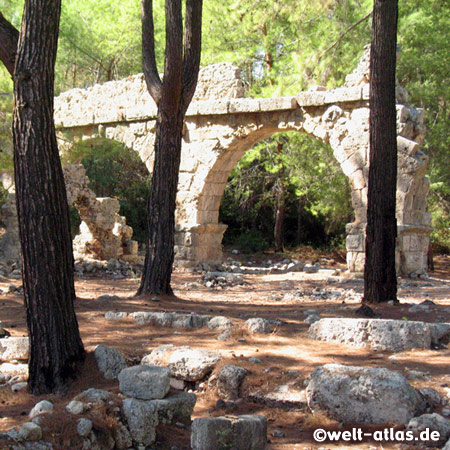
(221, 124)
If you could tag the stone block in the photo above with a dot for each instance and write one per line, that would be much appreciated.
(142, 419)
(247, 432)
(276, 104)
(145, 382)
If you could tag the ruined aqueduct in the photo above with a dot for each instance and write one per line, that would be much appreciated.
(221, 125)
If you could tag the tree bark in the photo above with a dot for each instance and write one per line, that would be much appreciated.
(172, 96)
(380, 280)
(9, 38)
(46, 245)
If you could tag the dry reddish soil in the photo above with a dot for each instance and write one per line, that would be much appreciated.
(287, 348)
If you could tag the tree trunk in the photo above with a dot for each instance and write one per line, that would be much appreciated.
(161, 207)
(172, 96)
(279, 217)
(47, 260)
(380, 281)
(9, 37)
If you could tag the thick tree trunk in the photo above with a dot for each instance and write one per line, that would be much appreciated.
(380, 281)
(172, 96)
(161, 206)
(9, 38)
(55, 343)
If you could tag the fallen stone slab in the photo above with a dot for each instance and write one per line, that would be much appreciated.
(380, 334)
(363, 396)
(247, 432)
(185, 363)
(14, 348)
(285, 396)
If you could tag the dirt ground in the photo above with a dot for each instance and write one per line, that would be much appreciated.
(286, 349)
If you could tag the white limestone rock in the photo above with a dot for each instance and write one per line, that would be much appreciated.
(145, 382)
(379, 334)
(363, 396)
(41, 407)
(76, 407)
(110, 361)
(220, 323)
(259, 325)
(185, 363)
(14, 348)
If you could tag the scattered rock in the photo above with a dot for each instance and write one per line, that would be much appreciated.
(186, 363)
(14, 348)
(29, 431)
(239, 433)
(112, 315)
(224, 336)
(219, 323)
(76, 407)
(95, 396)
(229, 381)
(110, 361)
(84, 427)
(16, 387)
(365, 311)
(43, 406)
(259, 325)
(105, 298)
(312, 318)
(434, 422)
(363, 396)
(431, 396)
(145, 382)
(254, 360)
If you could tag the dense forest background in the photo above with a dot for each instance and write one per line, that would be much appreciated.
(281, 48)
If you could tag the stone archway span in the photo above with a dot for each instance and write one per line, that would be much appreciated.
(221, 125)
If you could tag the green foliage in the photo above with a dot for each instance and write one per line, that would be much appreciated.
(424, 69)
(6, 107)
(316, 211)
(115, 171)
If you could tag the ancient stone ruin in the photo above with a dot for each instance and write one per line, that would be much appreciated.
(103, 235)
(221, 125)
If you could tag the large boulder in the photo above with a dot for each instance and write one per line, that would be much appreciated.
(145, 382)
(247, 432)
(185, 363)
(379, 334)
(110, 361)
(363, 396)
